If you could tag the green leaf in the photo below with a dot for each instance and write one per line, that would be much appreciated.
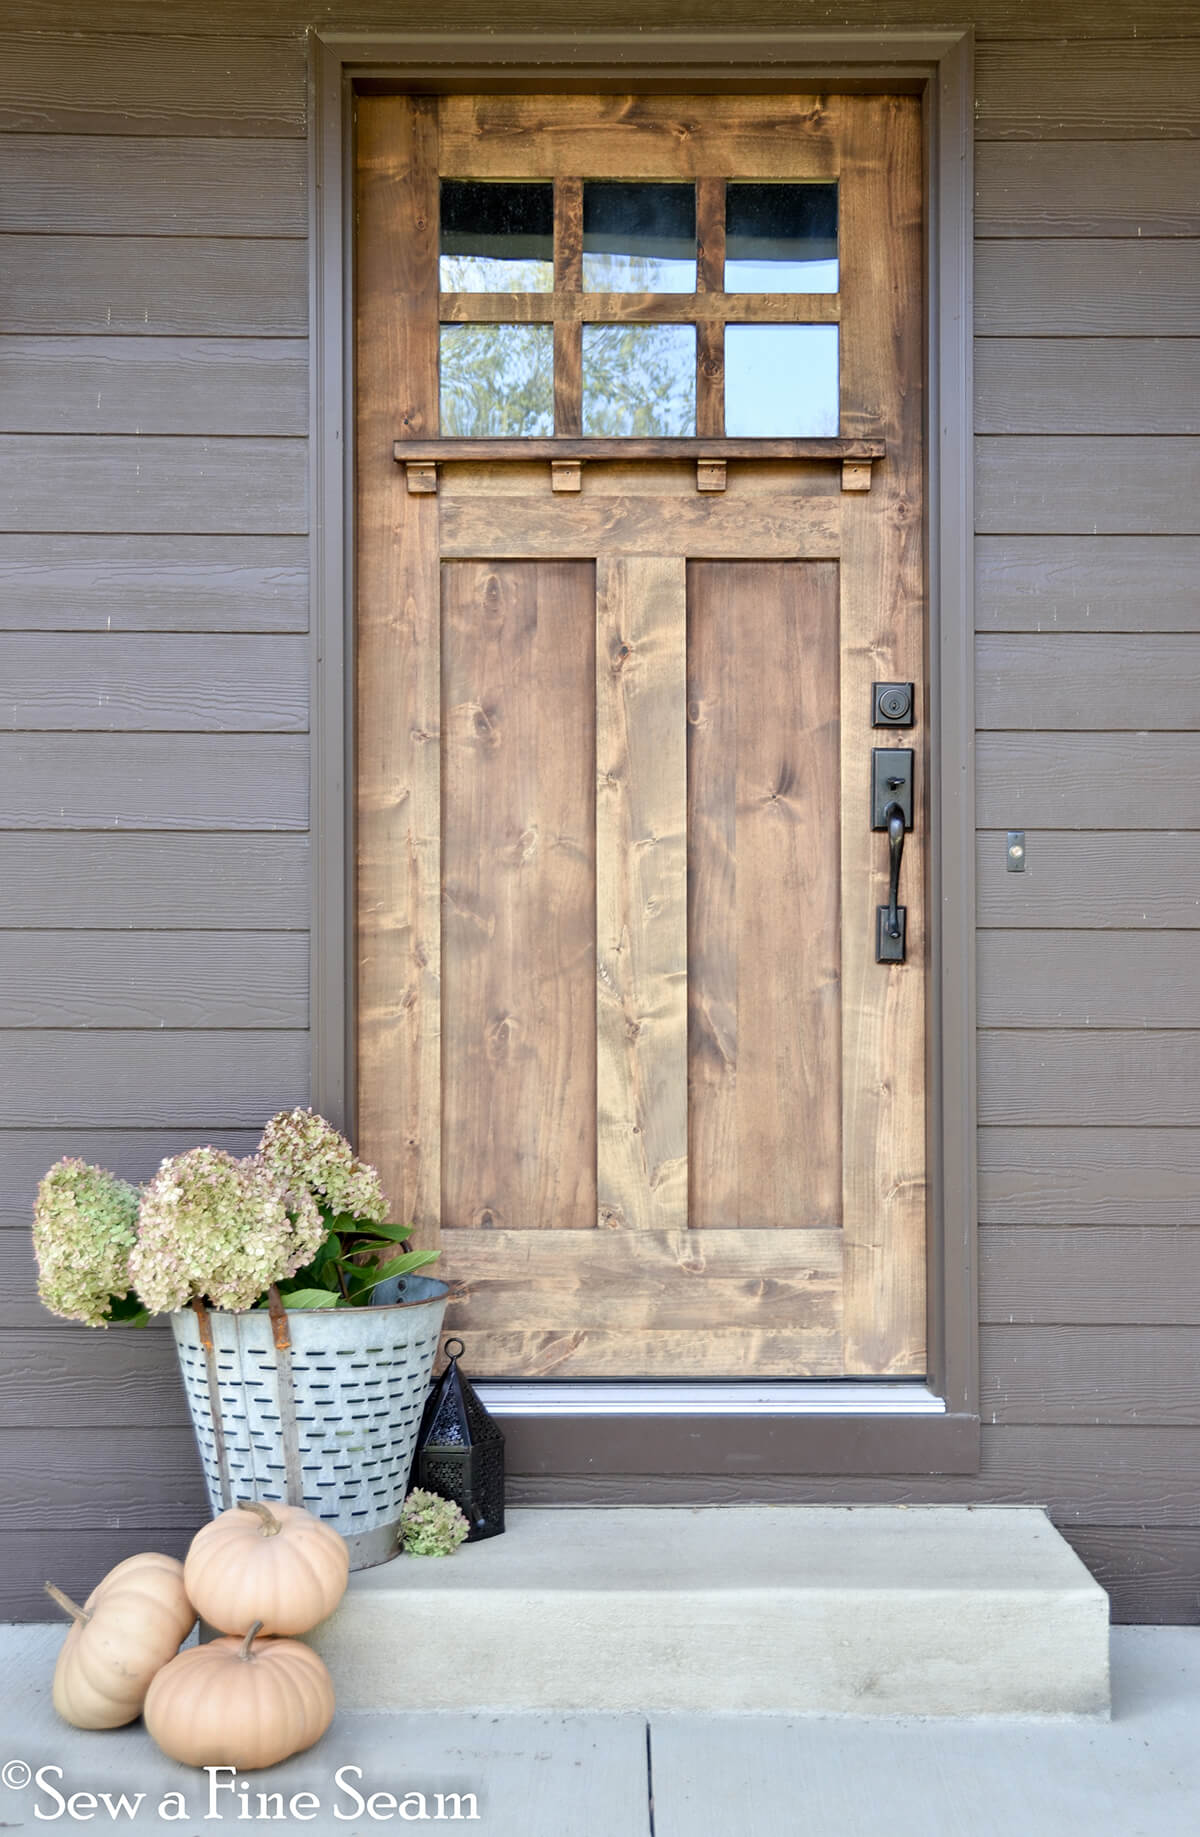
(388, 1234)
(308, 1298)
(399, 1266)
(128, 1311)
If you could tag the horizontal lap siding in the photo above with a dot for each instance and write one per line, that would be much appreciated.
(1088, 692)
(154, 855)
(154, 650)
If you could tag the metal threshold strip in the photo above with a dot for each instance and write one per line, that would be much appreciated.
(536, 1397)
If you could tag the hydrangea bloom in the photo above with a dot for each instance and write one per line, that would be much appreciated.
(212, 1227)
(84, 1222)
(305, 1152)
(430, 1525)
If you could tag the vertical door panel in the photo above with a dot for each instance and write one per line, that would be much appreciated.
(764, 945)
(518, 926)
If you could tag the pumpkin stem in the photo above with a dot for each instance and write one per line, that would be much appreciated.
(249, 1640)
(68, 1606)
(270, 1524)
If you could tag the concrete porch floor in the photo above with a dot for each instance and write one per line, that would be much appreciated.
(553, 1775)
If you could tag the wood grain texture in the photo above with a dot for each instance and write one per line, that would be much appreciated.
(398, 640)
(95, 82)
(539, 525)
(813, 1347)
(1131, 90)
(1107, 1374)
(614, 136)
(157, 882)
(1127, 881)
(568, 280)
(1084, 683)
(993, 18)
(153, 583)
(1087, 781)
(97, 1481)
(140, 186)
(81, 682)
(519, 925)
(1087, 486)
(136, 1079)
(1053, 287)
(648, 1281)
(1101, 188)
(1115, 1176)
(1087, 386)
(100, 483)
(641, 894)
(882, 637)
(153, 781)
(1097, 1079)
(1087, 583)
(1136, 1476)
(154, 386)
(1148, 1575)
(623, 308)
(765, 1022)
(157, 286)
(1088, 979)
(90, 1380)
(1089, 1275)
(76, 1557)
(134, 1153)
(193, 979)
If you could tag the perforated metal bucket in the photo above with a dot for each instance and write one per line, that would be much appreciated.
(317, 1407)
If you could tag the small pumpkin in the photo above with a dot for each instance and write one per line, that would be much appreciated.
(275, 1564)
(243, 1703)
(129, 1626)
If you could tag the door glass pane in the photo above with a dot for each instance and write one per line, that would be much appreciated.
(638, 238)
(639, 379)
(496, 238)
(781, 239)
(781, 380)
(496, 379)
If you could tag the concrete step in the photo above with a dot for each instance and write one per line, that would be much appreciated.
(865, 1610)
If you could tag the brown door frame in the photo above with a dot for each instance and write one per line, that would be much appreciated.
(939, 67)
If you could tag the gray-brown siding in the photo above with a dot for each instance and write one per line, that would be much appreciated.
(153, 753)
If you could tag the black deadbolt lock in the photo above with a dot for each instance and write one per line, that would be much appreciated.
(893, 705)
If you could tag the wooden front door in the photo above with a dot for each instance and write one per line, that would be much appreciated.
(639, 528)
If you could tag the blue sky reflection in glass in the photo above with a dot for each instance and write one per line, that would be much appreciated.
(638, 237)
(781, 238)
(781, 381)
(496, 237)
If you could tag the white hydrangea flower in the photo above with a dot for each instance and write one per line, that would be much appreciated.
(305, 1152)
(84, 1228)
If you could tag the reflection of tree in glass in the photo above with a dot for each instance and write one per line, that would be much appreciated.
(639, 379)
(497, 380)
(494, 274)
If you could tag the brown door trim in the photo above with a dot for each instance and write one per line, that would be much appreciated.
(939, 66)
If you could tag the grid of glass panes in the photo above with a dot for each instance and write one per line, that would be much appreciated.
(639, 308)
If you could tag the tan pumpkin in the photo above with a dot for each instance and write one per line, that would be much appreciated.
(275, 1564)
(129, 1626)
(243, 1703)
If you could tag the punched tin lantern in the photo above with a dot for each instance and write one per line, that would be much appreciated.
(460, 1451)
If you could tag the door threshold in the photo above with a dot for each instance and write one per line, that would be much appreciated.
(656, 1397)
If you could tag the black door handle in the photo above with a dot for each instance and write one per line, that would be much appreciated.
(892, 810)
(895, 826)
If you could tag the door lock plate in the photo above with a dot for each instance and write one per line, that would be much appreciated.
(891, 783)
(892, 704)
(889, 949)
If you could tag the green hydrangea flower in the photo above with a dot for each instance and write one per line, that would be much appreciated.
(214, 1228)
(306, 1153)
(84, 1228)
(431, 1526)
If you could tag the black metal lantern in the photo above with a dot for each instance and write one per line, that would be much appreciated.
(460, 1451)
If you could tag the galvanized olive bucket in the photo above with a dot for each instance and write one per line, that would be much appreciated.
(315, 1407)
